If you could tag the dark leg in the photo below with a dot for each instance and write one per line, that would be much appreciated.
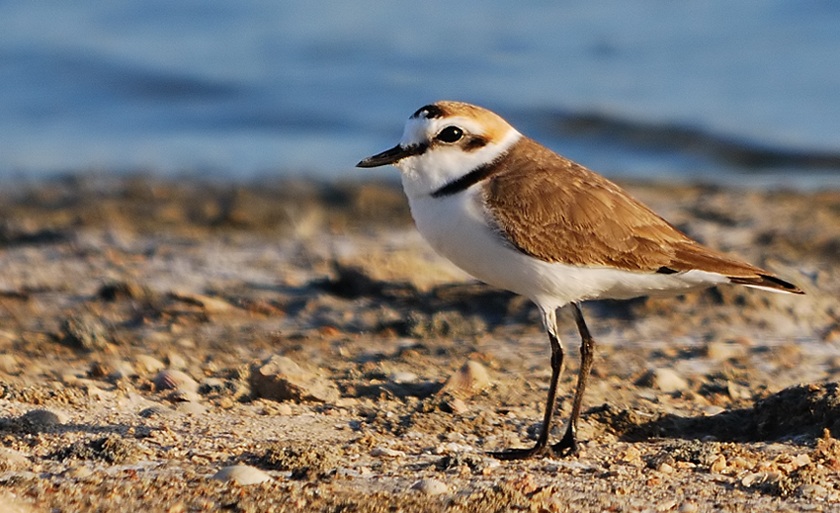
(540, 447)
(568, 445)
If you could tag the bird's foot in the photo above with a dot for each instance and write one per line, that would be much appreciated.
(566, 447)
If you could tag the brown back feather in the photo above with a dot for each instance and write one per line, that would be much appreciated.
(558, 211)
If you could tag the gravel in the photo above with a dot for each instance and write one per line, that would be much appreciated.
(314, 346)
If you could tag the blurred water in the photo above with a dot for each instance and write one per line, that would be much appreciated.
(650, 88)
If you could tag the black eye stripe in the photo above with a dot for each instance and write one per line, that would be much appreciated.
(474, 143)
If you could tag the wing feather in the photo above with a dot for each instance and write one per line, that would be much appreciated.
(556, 210)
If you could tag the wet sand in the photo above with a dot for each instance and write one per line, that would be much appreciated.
(156, 332)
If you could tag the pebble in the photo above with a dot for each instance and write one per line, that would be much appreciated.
(155, 411)
(467, 381)
(42, 418)
(718, 465)
(283, 409)
(94, 391)
(242, 474)
(78, 472)
(176, 361)
(454, 405)
(11, 504)
(84, 332)
(665, 379)
(713, 409)
(11, 459)
(387, 452)
(688, 507)
(146, 364)
(210, 304)
(430, 487)
(404, 377)
(121, 369)
(9, 364)
(812, 491)
(171, 379)
(752, 478)
(281, 379)
(722, 351)
(184, 396)
(665, 468)
(191, 407)
(212, 386)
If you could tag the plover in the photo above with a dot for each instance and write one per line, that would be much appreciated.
(520, 217)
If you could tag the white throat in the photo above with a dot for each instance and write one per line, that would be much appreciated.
(440, 165)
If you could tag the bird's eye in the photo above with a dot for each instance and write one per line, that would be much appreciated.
(450, 134)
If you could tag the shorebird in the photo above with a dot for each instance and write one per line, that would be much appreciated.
(520, 217)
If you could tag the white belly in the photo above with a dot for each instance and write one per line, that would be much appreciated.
(455, 227)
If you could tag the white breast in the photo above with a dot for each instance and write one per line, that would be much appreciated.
(457, 229)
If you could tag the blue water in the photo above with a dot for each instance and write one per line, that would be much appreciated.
(244, 89)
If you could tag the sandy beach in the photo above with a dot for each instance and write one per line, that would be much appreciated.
(183, 345)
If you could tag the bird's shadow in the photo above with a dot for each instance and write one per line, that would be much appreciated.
(797, 414)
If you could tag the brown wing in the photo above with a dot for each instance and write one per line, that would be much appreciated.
(559, 211)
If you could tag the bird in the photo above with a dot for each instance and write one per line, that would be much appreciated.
(518, 216)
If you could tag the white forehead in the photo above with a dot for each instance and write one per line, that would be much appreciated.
(421, 130)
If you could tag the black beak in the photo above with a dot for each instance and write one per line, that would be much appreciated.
(391, 156)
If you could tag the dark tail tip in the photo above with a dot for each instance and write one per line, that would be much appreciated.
(768, 281)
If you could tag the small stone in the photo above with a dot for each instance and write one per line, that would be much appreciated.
(99, 370)
(666, 505)
(631, 455)
(832, 334)
(191, 408)
(184, 396)
(176, 361)
(665, 468)
(211, 305)
(752, 478)
(430, 487)
(171, 379)
(737, 391)
(9, 364)
(467, 381)
(41, 418)
(688, 507)
(78, 472)
(185, 343)
(11, 459)
(281, 379)
(387, 452)
(283, 409)
(155, 411)
(718, 465)
(146, 364)
(12, 504)
(713, 409)
(121, 369)
(454, 405)
(242, 475)
(664, 379)
(84, 332)
(95, 392)
(813, 491)
(212, 386)
(404, 377)
(722, 351)
(801, 460)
